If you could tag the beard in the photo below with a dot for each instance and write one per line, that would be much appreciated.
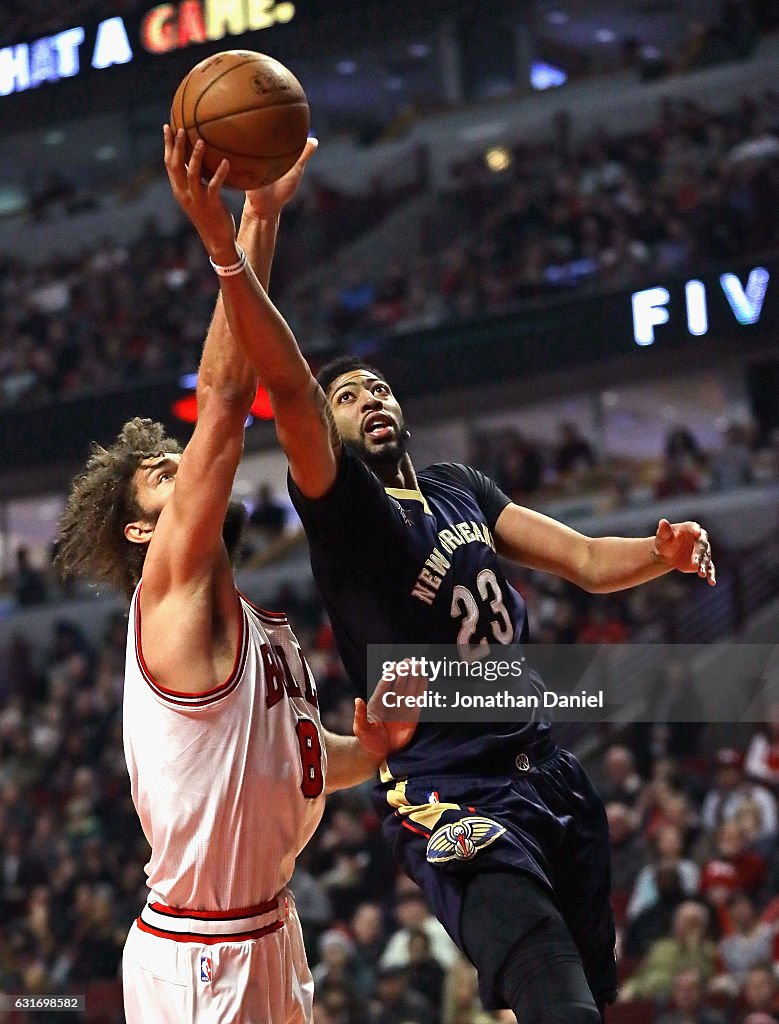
(389, 454)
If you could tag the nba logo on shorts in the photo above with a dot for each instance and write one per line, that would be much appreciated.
(205, 968)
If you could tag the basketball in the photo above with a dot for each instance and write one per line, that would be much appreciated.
(247, 107)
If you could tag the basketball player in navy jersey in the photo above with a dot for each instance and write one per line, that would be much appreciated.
(407, 557)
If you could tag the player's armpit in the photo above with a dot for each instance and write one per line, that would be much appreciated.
(189, 639)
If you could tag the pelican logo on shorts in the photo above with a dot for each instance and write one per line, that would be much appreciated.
(206, 971)
(462, 840)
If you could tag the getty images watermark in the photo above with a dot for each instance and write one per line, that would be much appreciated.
(523, 690)
(575, 682)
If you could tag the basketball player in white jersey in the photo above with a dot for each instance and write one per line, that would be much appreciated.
(225, 750)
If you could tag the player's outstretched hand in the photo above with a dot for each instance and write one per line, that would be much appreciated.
(201, 200)
(377, 733)
(685, 546)
(268, 201)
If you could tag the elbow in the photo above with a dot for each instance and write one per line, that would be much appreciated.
(588, 584)
(333, 783)
(593, 587)
(231, 397)
(587, 575)
(294, 387)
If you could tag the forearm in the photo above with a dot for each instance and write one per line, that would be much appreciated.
(259, 329)
(224, 366)
(257, 237)
(258, 240)
(616, 563)
(224, 369)
(348, 763)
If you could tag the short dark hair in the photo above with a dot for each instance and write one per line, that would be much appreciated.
(102, 501)
(343, 364)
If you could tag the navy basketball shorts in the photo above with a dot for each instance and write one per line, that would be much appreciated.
(536, 814)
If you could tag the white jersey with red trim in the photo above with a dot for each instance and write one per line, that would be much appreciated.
(228, 784)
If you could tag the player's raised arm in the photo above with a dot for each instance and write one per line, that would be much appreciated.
(300, 409)
(303, 419)
(187, 542)
(183, 500)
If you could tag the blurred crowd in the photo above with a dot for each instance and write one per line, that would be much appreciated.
(611, 211)
(694, 839)
(569, 463)
(119, 313)
(695, 872)
(693, 188)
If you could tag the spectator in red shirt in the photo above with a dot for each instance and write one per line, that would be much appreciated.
(731, 849)
(762, 759)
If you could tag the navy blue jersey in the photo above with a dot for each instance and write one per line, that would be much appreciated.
(416, 567)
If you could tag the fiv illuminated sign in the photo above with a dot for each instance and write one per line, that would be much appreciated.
(651, 306)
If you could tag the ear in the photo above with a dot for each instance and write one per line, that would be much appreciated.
(139, 532)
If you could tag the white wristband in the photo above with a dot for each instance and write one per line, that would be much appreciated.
(234, 268)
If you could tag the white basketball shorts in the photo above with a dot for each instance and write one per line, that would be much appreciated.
(231, 967)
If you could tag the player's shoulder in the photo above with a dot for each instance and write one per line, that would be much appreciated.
(472, 485)
(453, 473)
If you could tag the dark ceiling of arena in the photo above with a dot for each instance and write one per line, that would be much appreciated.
(579, 24)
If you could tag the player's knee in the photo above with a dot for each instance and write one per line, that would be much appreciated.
(552, 997)
(549, 991)
(582, 1013)
(560, 1011)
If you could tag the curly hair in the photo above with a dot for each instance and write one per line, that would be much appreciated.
(102, 501)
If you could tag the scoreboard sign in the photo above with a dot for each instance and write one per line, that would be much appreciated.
(164, 28)
(173, 26)
(59, 56)
(731, 300)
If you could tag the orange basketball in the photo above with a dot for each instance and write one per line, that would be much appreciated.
(247, 107)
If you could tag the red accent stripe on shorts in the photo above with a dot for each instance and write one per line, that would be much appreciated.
(210, 940)
(418, 831)
(216, 915)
